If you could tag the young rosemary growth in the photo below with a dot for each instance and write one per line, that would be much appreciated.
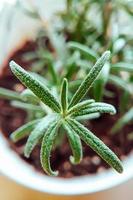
(63, 113)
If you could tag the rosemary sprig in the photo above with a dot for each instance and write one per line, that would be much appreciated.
(39, 89)
(90, 78)
(64, 114)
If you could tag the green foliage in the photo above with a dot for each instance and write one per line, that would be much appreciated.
(118, 81)
(89, 79)
(127, 118)
(96, 144)
(85, 51)
(64, 96)
(75, 144)
(39, 89)
(8, 94)
(77, 43)
(61, 112)
(121, 66)
(23, 130)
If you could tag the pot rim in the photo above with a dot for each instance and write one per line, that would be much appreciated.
(12, 166)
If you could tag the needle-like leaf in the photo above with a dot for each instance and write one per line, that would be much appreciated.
(99, 85)
(89, 79)
(29, 96)
(27, 106)
(46, 148)
(53, 73)
(37, 134)
(80, 106)
(88, 117)
(119, 82)
(96, 107)
(121, 66)
(41, 91)
(75, 144)
(128, 117)
(24, 130)
(40, 78)
(96, 144)
(9, 94)
(64, 95)
(86, 51)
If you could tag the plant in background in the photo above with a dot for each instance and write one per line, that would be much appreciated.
(86, 37)
(90, 44)
(119, 72)
(61, 111)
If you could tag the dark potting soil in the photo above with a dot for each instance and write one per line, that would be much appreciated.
(11, 118)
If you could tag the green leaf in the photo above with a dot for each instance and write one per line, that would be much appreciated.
(80, 106)
(29, 96)
(119, 82)
(9, 94)
(100, 82)
(53, 73)
(127, 6)
(38, 66)
(88, 117)
(41, 91)
(71, 65)
(121, 66)
(46, 148)
(83, 64)
(37, 134)
(74, 84)
(30, 56)
(64, 95)
(58, 42)
(123, 121)
(75, 144)
(30, 12)
(70, 71)
(89, 79)
(85, 50)
(27, 106)
(40, 78)
(96, 107)
(33, 14)
(23, 130)
(96, 144)
(125, 100)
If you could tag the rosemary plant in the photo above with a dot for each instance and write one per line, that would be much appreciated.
(61, 111)
(86, 37)
(77, 45)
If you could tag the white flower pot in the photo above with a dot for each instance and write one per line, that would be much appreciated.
(12, 166)
(24, 28)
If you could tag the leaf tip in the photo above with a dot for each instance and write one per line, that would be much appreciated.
(73, 161)
(12, 64)
(107, 54)
(113, 111)
(12, 137)
(65, 81)
(26, 153)
(54, 173)
(120, 169)
(14, 67)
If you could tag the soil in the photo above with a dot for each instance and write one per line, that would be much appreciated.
(11, 118)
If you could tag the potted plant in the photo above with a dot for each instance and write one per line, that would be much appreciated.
(58, 55)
